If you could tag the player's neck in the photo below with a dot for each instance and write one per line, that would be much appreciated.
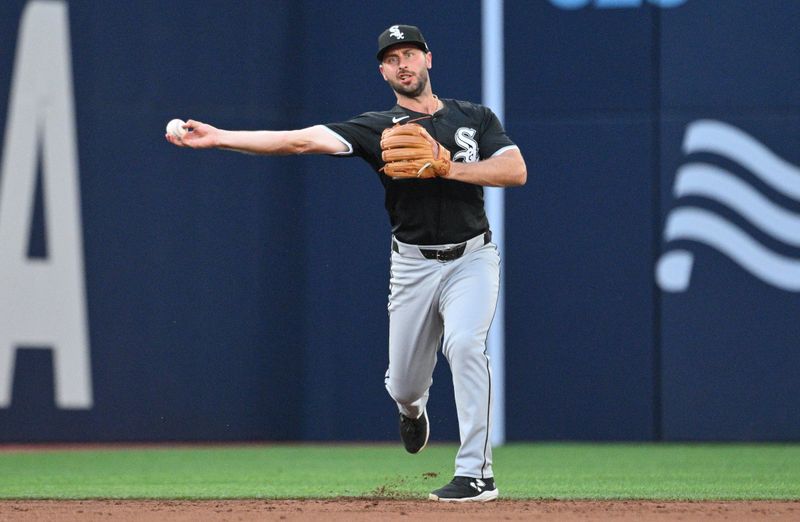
(426, 103)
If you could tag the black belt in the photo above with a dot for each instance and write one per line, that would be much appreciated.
(445, 254)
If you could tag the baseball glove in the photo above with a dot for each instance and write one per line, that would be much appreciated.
(410, 152)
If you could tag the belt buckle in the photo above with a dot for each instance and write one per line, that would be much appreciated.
(447, 254)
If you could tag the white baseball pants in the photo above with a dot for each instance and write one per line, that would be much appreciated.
(450, 303)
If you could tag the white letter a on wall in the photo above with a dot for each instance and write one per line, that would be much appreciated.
(43, 301)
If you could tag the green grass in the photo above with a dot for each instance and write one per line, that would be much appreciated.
(524, 471)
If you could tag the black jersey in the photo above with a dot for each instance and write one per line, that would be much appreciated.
(431, 211)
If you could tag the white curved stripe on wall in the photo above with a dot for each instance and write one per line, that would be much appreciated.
(708, 228)
(712, 182)
(726, 140)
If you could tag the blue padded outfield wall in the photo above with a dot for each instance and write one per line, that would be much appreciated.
(149, 293)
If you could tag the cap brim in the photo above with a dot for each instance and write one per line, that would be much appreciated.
(419, 45)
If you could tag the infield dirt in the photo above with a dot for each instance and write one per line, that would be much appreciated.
(393, 510)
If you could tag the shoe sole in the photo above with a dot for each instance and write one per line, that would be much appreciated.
(486, 496)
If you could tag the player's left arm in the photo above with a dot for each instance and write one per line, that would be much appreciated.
(506, 169)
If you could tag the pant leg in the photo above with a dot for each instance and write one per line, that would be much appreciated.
(415, 331)
(468, 302)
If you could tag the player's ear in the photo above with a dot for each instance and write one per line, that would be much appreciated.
(429, 60)
(380, 68)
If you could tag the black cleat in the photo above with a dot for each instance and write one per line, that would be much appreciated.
(466, 489)
(414, 432)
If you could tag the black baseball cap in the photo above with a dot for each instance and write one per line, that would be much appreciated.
(396, 34)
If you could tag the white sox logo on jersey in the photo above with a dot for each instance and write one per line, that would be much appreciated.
(469, 147)
(395, 32)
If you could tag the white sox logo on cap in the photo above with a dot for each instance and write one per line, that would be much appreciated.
(400, 34)
(395, 32)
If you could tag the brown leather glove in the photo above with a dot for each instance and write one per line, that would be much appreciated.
(410, 152)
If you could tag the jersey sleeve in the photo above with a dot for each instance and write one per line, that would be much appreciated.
(362, 137)
(493, 138)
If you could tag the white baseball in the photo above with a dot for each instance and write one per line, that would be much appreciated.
(175, 127)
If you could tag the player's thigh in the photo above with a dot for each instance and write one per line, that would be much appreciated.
(415, 325)
(469, 297)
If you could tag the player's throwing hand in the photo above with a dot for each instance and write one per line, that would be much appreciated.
(199, 135)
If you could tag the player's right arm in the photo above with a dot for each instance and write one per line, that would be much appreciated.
(311, 140)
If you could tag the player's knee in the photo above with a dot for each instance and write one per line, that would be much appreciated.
(463, 345)
(405, 395)
(406, 399)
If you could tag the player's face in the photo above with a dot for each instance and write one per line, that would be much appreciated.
(405, 68)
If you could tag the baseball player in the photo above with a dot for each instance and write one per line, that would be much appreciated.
(433, 157)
